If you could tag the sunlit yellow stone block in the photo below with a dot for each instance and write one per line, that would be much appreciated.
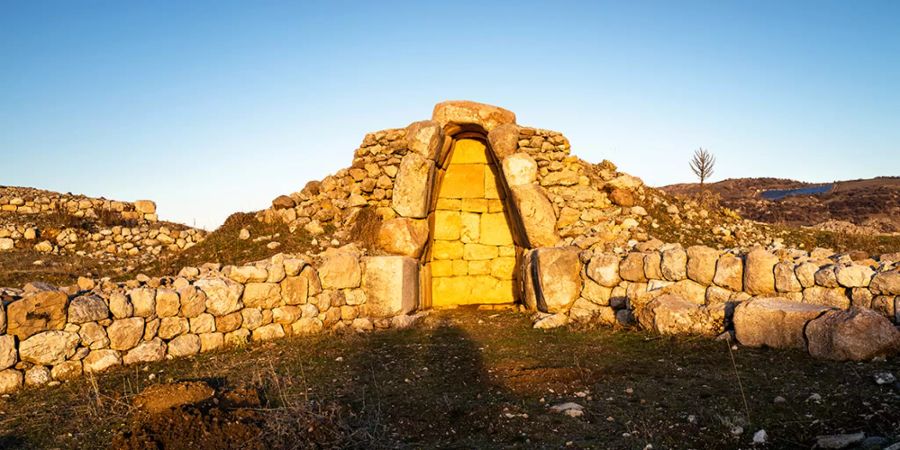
(463, 181)
(503, 268)
(495, 229)
(450, 204)
(490, 183)
(442, 268)
(474, 204)
(509, 250)
(447, 291)
(447, 250)
(480, 267)
(474, 252)
(469, 151)
(446, 225)
(495, 206)
(460, 267)
(478, 289)
(471, 227)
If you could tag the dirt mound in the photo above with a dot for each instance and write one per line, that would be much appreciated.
(160, 397)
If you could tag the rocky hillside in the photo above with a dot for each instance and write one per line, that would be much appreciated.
(870, 206)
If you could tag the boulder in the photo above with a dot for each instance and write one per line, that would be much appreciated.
(886, 283)
(856, 334)
(632, 267)
(283, 202)
(120, 306)
(184, 345)
(223, 296)
(68, 370)
(124, 334)
(248, 274)
(621, 197)
(674, 264)
(262, 295)
(37, 376)
(759, 272)
(100, 360)
(835, 297)
(391, 284)
(504, 140)
(701, 264)
(10, 381)
(604, 269)
(48, 347)
(459, 113)
(143, 301)
(340, 268)
(425, 138)
(774, 322)
(268, 332)
(854, 275)
(672, 314)
(537, 215)
(412, 187)
(88, 308)
(149, 351)
(729, 272)
(806, 273)
(548, 321)
(519, 169)
(688, 290)
(785, 278)
(37, 312)
(145, 206)
(826, 277)
(167, 302)
(558, 278)
(403, 236)
(9, 356)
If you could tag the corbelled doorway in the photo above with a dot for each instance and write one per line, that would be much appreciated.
(473, 256)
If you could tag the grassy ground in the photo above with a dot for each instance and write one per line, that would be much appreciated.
(470, 379)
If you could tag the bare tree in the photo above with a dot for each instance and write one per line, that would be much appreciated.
(702, 164)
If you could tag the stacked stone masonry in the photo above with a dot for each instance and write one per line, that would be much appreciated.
(50, 334)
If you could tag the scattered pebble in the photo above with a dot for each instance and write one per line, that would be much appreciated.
(780, 399)
(815, 397)
(737, 430)
(884, 378)
(692, 418)
(760, 437)
(244, 234)
(570, 409)
(839, 440)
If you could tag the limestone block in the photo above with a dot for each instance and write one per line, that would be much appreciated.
(672, 315)
(124, 334)
(537, 215)
(632, 267)
(167, 303)
(857, 334)
(211, 341)
(223, 296)
(503, 268)
(458, 113)
(48, 347)
(143, 301)
(674, 264)
(854, 276)
(688, 290)
(262, 295)
(886, 283)
(149, 351)
(596, 293)
(248, 274)
(37, 312)
(806, 273)
(120, 306)
(774, 322)
(87, 308)
(558, 278)
(701, 264)
(268, 332)
(447, 225)
(340, 269)
(447, 250)
(826, 277)
(785, 278)
(818, 295)
(8, 353)
(470, 227)
(193, 301)
(93, 335)
(184, 345)
(425, 138)
(391, 284)
(469, 151)
(68, 370)
(759, 272)
(295, 290)
(145, 206)
(492, 190)
(474, 252)
(403, 236)
(170, 327)
(10, 381)
(604, 269)
(229, 322)
(100, 360)
(465, 181)
(204, 323)
(504, 140)
(495, 229)
(412, 187)
(652, 263)
(519, 169)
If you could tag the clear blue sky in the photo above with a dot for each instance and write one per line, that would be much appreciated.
(215, 107)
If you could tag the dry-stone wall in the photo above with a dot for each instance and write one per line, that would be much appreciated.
(136, 230)
(48, 334)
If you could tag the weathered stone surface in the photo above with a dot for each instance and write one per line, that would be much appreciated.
(519, 169)
(204, 323)
(170, 327)
(632, 267)
(462, 112)
(854, 275)
(504, 140)
(688, 290)
(806, 273)
(674, 264)
(412, 188)
(604, 269)
(149, 351)
(211, 341)
(124, 334)
(93, 335)
(48, 347)
(184, 345)
(785, 278)
(37, 376)
(120, 306)
(551, 321)
(391, 284)
(88, 308)
(536, 213)
(729, 272)
(8, 353)
(268, 332)
(307, 325)
(425, 138)
(403, 236)
(248, 274)
(886, 283)
(818, 295)
(559, 278)
(262, 295)
(144, 301)
(193, 301)
(100, 360)
(223, 296)
(295, 290)
(168, 303)
(856, 334)
(774, 322)
(701, 264)
(10, 381)
(145, 206)
(671, 315)
(68, 370)
(596, 293)
(41, 311)
(652, 263)
(340, 269)
(759, 272)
